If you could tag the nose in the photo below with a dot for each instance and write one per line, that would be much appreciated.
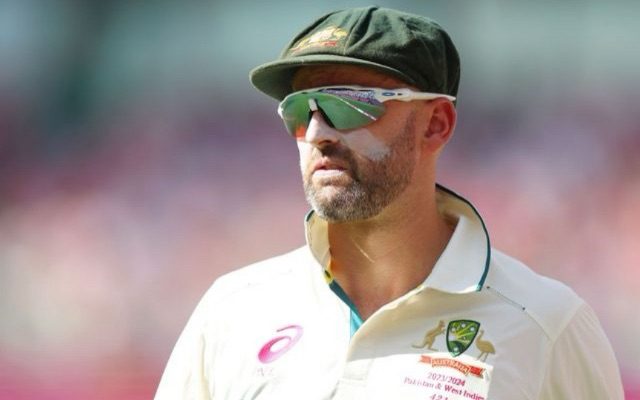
(319, 133)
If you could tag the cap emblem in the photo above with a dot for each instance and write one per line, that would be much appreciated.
(327, 37)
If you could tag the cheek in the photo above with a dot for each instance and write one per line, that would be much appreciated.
(364, 143)
(304, 150)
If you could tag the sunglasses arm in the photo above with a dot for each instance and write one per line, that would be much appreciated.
(409, 95)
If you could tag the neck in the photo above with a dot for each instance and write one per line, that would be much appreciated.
(380, 259)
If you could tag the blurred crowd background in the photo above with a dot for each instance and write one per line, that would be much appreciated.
(137, 164)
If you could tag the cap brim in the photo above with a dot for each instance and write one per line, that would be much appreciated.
(274, 78)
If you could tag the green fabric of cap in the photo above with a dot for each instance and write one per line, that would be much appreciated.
(410, 47)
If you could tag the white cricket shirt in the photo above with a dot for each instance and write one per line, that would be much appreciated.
(482, 326)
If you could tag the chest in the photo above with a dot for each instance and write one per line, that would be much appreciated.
(442, 349)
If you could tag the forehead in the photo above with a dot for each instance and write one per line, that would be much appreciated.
(328, 75)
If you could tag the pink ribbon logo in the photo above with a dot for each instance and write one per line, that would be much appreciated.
(276, 347)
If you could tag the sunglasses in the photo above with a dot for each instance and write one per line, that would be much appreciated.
(343, 107)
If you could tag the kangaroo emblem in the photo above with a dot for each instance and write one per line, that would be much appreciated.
(430, 337)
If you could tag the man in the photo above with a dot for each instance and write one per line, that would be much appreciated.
(397, 294)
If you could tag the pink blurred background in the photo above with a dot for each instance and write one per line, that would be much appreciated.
(137, 164)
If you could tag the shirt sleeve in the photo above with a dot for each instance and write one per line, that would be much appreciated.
(184, 377)
(582, 364)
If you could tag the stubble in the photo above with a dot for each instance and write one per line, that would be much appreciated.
(374, 184)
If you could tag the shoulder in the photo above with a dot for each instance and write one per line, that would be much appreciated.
(271, 272)
(549, 303)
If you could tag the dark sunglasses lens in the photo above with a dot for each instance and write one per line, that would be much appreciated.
(341, 112)
(345, 113)
(295, 113)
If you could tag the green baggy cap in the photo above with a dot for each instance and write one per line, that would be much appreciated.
(410, 47)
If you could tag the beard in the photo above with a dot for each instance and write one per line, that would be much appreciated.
(374, 184)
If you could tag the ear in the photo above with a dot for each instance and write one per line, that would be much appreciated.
(440, 126)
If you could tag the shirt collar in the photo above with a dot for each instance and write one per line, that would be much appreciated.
(462, 266)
